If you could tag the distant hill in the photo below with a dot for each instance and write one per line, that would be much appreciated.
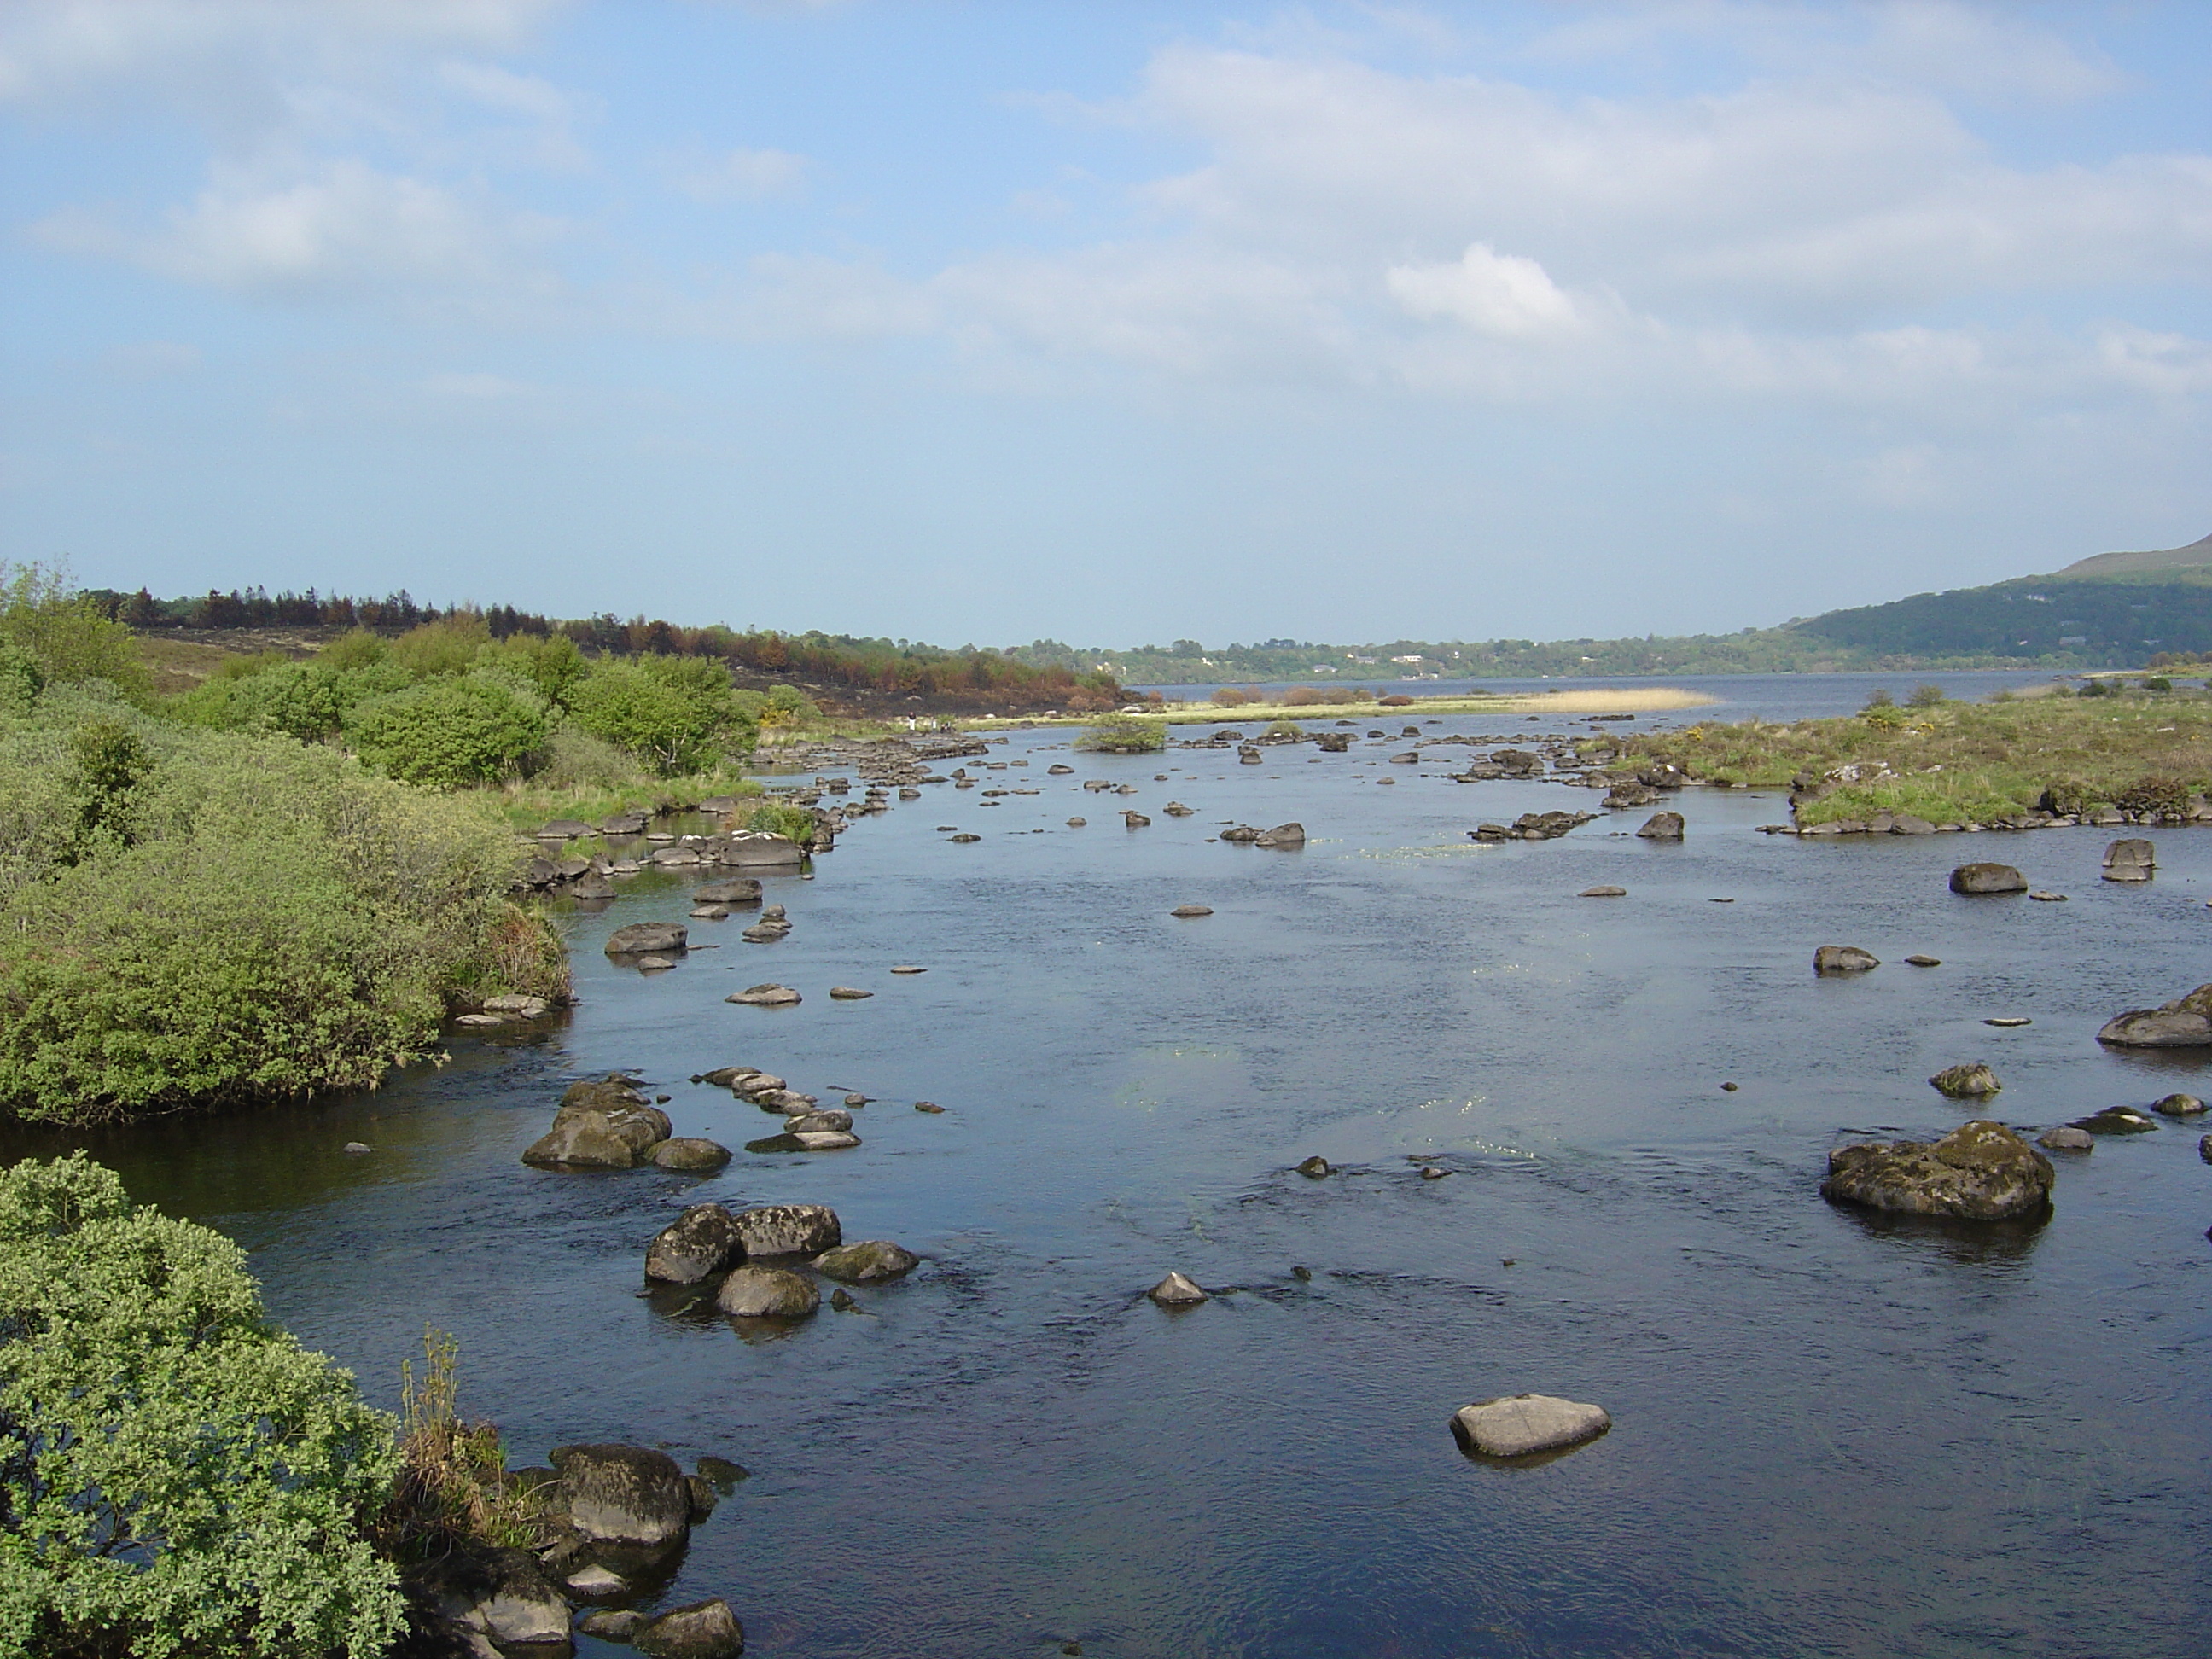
(2196, 556)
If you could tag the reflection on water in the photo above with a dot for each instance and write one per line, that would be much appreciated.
(1834, 1434)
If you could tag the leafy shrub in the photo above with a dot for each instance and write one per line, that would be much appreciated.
(1123, 734)
(781, 819)
(449, 733)
(1229, 697)
(307, 700)
(2158, 683)
(1883, 716)
(69, 641)
(576, 759)
(451, 1491)
(675, 714)
(1926, 696)
(1284, 731)
(441, 648)
(550, 665)
(2095, 688)
(2167, 795)
(177, 1476)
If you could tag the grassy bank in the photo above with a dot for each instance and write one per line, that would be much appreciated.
(1954, 762)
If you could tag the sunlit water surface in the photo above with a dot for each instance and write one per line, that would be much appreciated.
(1833, 1436)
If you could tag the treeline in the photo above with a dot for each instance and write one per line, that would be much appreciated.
(890, 667)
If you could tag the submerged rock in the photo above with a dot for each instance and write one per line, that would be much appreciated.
(702, 1241)
(1987, 879)
(2185, 1022)
(1515, 1425)
(870, 1262)
(1965, 1082)
(752, 1292)
(1603, 891)
(2115, 1121)
(1177, 1291)
(1981, 1171)
(1844, 959)
(704, 1630)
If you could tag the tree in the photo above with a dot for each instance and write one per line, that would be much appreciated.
(177, 1475)
(63, 633)
(674, 713)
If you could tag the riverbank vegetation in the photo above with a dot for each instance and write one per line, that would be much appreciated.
(1951, 763)
(178, 1477)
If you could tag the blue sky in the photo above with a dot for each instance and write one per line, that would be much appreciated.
(1116, 323)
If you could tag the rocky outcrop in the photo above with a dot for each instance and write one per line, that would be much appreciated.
(2130, 860)
(2185, 1022)
(1844, 959)
(789, 1230)
(1532, 826)
(1518, 1425)
(647, 939)
(1987, 879)
(752, 1292)
(701, 1242)
(868, 1263)
(1970, 1081)
(1981, 1171)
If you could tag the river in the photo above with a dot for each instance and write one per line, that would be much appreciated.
(1834, 1435)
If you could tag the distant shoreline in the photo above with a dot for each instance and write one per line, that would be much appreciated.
(1593, 700)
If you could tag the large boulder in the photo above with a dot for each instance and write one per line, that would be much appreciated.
(1987, 879)
(789, 1230)
(767, 1293)
(2185, 1022)
(1518, 1425)
(647, 938)
(703, 1240)
(625, 1495)
(1844, 959)
(868, 1263)
(1283, 834)
(691, 1155)
(2129, 860)
(1662, 826)
(505, 1595)
(704, 1630)
(739, 890)
(606, 1125)
(1981, 1171)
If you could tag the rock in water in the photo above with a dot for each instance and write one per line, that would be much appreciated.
(1314, 1168)
(1603, 891)
(789, 1230)
(2066, 1138)
(1176, 1292)
(1925, 962)
(2129, 860)
(1965, 1082)
(834, 1119)
(1515, 1425)
(2204, 1148)
(1188, 911)
(1662, 826)
(1844, 959)
(705, 1630)
(600, 1126)
(1981, 1171)
(703, 1240)
(2177, 1105)
(610, 1625)
(767, 1293)
(1987, 879)
(2185, 1022)
(822, 1140)
(867, 1263)
(2115, 1121)
(849, 993)
(691, 1155)
(1283, 834)
(646, 938)
(764, 996)
(629, 1495)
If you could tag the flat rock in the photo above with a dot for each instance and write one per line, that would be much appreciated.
(610, 1625)
(910, 969)
(1603, 893)
(646, 938)
(752, 1292)
(2129, 860)
(1844, 959)
(869, 1262)
(2009, 1021)
(1969, 1081)
(701, 1242)
(824, 1140)
(1987, 879)
(1925, 962)
(1177, 1291)
(1188, 910)
(849, 993)
(704, 1630)
(764, 996)
(2044, 895)
(1662, 826)
(1981, 1171)
(1515, 1425)
(739, 889)
(2115, 1121)
(809, 1122)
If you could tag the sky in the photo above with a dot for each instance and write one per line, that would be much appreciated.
(1114, 323)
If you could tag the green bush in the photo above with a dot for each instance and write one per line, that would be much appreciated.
(308, 700)
(277, 921)
(1927, 697)
(549, 665)
(444, 733)
(2095, 688)
(2072, 799)
(70, 643)
(675, 714)
(441, 648)
(1124, 734)
(781, 819)
(178, 1477)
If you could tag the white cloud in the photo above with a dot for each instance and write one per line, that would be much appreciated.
(740, 175)
(1501, 294)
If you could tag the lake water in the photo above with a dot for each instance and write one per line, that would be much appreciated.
(1834, 1435)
